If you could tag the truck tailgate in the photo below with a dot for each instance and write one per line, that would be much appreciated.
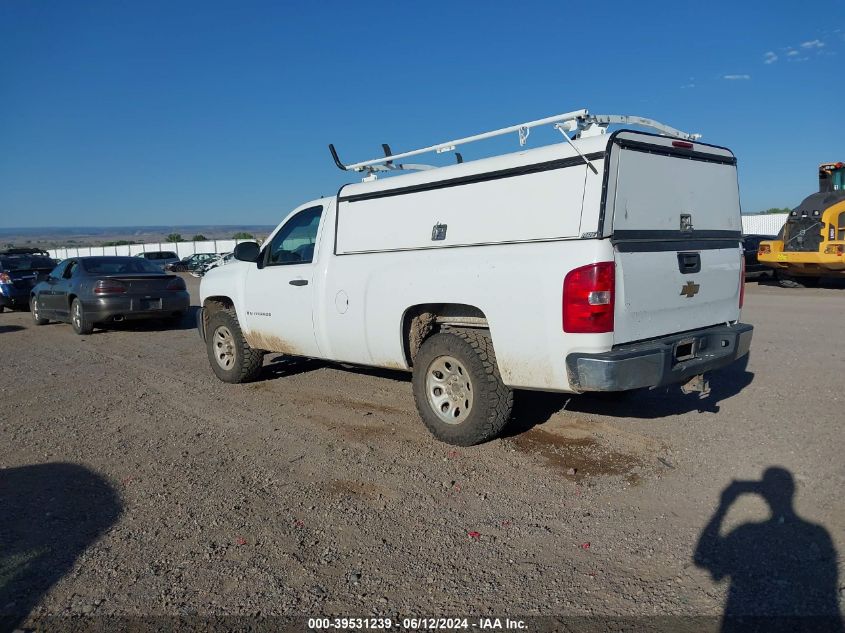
(654, 298)
(676, 229)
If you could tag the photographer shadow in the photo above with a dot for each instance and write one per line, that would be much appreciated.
(49, 515)
(783, 571)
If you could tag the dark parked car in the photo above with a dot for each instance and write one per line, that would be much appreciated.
(750, 244)
(191, 262)
(89, 291)
(25, 251)
(160, 258)
(20, 270)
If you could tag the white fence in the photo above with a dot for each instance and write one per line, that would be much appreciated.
(758, 224)
(183, 249)
(768, 224)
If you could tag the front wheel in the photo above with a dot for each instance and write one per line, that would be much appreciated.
(35, 309)
(459, 393)
(231, 357)
(78, 318)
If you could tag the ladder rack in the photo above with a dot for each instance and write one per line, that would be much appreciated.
(579, 121)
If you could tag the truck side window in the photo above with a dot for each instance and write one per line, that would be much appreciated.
(294, 243)
(840, 231)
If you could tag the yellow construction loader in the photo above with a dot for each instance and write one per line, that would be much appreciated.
(811, 244)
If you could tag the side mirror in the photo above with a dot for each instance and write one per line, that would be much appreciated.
(247, 251)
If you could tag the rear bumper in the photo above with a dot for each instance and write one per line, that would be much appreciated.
(12, 297)
(131, 308)
(653, 363)
(804, 261)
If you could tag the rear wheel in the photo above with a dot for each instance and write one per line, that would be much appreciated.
(35, 309)
(231, 357)
(457, 388)
(78, 319)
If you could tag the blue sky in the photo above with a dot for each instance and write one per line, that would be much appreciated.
(160, 112)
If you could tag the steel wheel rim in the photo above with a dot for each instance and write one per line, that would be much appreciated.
(223, 344)
(449, 390)
(77, 315)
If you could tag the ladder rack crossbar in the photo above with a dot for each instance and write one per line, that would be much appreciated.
(579, 121)
(450, 145)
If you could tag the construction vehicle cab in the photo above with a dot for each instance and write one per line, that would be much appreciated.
(811, 244)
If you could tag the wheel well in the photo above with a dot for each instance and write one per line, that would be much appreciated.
(421, 321)
(70, 299)
(212, 305)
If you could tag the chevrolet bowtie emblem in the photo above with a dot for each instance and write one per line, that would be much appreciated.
(690, 289)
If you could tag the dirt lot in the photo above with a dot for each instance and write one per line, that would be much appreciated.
(134, 482)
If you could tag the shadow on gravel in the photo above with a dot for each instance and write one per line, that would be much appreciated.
(533, 408)
(49, 515)
(5, 329)
(282, 366)
(783, 571)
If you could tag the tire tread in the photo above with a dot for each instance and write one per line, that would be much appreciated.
(250, 359)
(498, 399)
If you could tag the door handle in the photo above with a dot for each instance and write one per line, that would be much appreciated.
(298, 282)
(689, 263)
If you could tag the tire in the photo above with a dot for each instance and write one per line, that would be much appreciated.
(33, 308)
(80, 322)
(232, 359)
(457, 388)
(2, 308)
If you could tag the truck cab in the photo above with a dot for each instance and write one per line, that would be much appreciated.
(811, 243)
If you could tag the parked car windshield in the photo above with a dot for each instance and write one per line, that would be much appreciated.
(26, 262)
(118, 266)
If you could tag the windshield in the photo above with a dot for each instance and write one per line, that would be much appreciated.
(118, 266)
(26, 262)
(802, 233)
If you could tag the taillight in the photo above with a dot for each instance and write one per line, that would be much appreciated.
(5, 279)
(683, 144)
(741, 280)
(109, 287)
(764, 249)
(175, 285)
(588, 297)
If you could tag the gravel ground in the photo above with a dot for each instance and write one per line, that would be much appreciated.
(133, 482)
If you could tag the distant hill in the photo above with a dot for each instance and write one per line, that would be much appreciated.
(53, 237)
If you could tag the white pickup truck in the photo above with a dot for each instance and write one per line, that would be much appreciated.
(605, 262)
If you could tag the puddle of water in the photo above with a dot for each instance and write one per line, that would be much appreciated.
(588, 457)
